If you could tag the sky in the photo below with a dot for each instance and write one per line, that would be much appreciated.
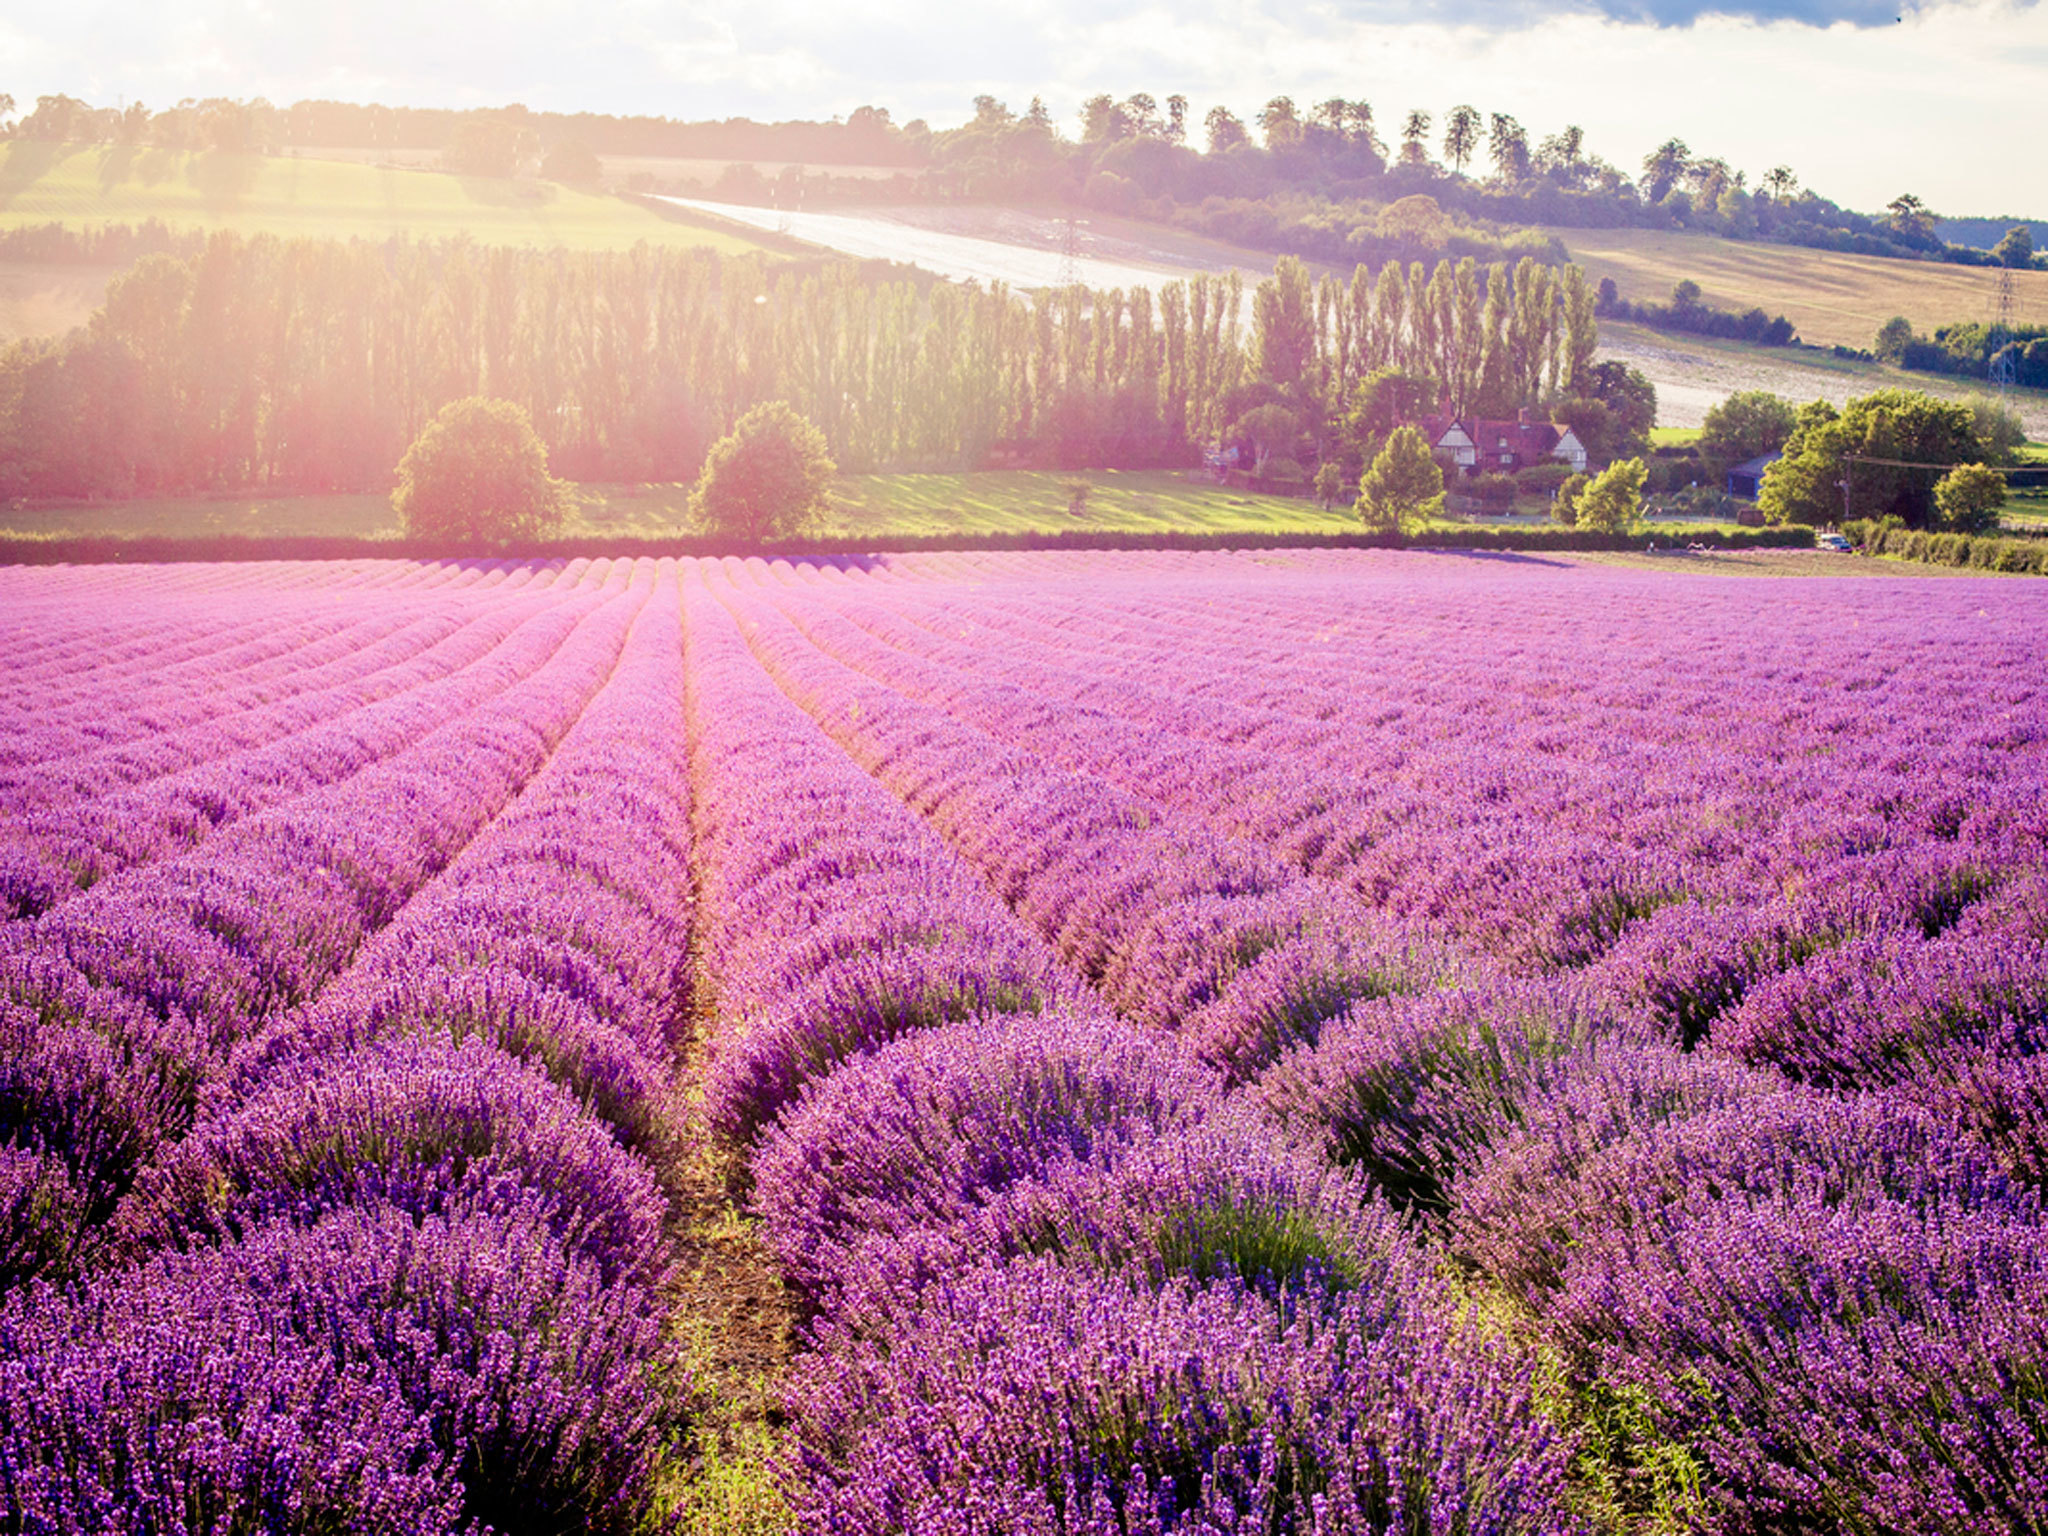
(1863, 99)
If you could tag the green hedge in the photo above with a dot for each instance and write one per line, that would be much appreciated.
(233, 547)
(1980, 552)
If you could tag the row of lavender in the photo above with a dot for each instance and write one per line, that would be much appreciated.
(352, 1127)
(1059, 1278)
(1535, 807)
(114, 771)
(1806, 1260)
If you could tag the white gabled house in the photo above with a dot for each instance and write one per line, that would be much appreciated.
(1481, 447)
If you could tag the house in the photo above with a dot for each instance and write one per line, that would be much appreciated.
(1746, 479)
(1481, 447)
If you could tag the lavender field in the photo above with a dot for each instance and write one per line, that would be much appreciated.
(1225, 1043)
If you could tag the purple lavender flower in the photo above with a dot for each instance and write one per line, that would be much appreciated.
(932, 1127)
(1034, 1398)
(423, 1124)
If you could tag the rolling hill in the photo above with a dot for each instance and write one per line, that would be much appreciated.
(1834, 299)
(88, 185)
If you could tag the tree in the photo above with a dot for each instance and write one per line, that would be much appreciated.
(1780, 183)
(1273, 431)
(478, 474)
(1613, 501)
(1414, 138)
(1176, 119)
(2016, 249)
(1746, 425)
(1404, 486)
(1280, 123)
(1461, 136)
(1893, 337)
(2000, 432)
(1878, 458)
(1968, 499)
(1508, 145)
(1564, 506)
(1612, 411)
(1911, 217)
(1329, 484)
(1662, 168)
(1284, 325)
(1226, 130)
(765, 479)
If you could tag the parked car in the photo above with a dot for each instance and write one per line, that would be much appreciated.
(1834, 541)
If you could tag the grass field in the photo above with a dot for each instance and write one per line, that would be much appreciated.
(1834, 300)
(89, 185)
(996, 501)
(878, 506)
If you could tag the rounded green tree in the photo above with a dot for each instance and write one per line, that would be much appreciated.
(1405, 484)
(478, 474)
(1968, 499)
(1613, 501)
(767, 478)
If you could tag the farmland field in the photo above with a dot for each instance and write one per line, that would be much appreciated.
(1834, 299)
(1250, 1043)
(881, 506)
(85, 186)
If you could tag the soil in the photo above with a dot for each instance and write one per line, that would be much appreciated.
(1693, 376)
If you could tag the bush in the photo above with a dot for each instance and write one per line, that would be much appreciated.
(478, 473)
(767, 478)
(1495, 491)
(1564, 507)
(1613, 502)
(1542, 479)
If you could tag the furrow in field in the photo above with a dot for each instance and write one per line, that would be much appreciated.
(1180, 927)
(833, 919)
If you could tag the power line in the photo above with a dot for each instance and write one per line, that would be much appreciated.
(1865, 458)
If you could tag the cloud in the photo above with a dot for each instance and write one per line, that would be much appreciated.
(1861, 105)
(1661, 13)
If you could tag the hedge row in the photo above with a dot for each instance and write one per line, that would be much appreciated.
(231, 547)
(1981, 552)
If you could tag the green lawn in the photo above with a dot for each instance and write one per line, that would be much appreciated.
(88, 185)
(1675, 437)
(994, 501)
(1020, 501)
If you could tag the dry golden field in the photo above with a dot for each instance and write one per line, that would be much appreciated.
(1834, 300)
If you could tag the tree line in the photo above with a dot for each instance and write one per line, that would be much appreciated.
(309, 365)
(1334, 164)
